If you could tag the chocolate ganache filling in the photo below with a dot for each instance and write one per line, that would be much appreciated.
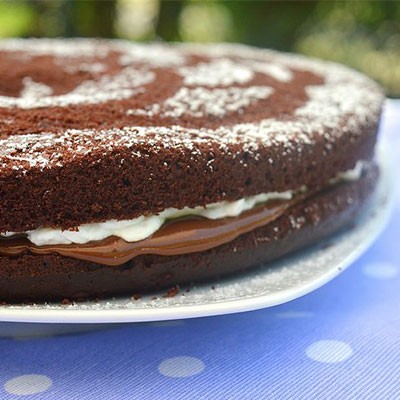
(181, 236)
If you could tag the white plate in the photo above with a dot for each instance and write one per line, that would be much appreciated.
(286, 280)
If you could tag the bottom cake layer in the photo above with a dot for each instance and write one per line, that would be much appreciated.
(32, 278)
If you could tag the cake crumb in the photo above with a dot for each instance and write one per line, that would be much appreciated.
(172, 292)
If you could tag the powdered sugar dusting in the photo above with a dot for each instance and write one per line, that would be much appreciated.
(61, 47)
(94, 67)
(34, 90)
(345, 103)
(120, 86)
(222, 72)
(279, 72)
(154, 54)
(200, 102)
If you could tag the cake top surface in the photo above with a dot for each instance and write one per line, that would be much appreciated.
(63, 100)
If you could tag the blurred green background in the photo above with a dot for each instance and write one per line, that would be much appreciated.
(362, 34)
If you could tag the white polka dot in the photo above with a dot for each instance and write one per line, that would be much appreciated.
(329, 351)
(294, 314)
(381, 270)
(28, 384)
(181, 367)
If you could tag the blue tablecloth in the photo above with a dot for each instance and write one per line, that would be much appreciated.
(340, 342)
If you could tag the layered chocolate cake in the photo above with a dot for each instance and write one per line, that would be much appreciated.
(128, 168)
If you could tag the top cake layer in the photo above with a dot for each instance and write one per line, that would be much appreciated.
(97, 130)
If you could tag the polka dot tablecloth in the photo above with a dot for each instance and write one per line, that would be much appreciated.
(339, 342)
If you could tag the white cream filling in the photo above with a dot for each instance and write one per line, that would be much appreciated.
(351, 174)
(142, 227)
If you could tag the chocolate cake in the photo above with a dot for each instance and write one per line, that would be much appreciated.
(127, 168)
